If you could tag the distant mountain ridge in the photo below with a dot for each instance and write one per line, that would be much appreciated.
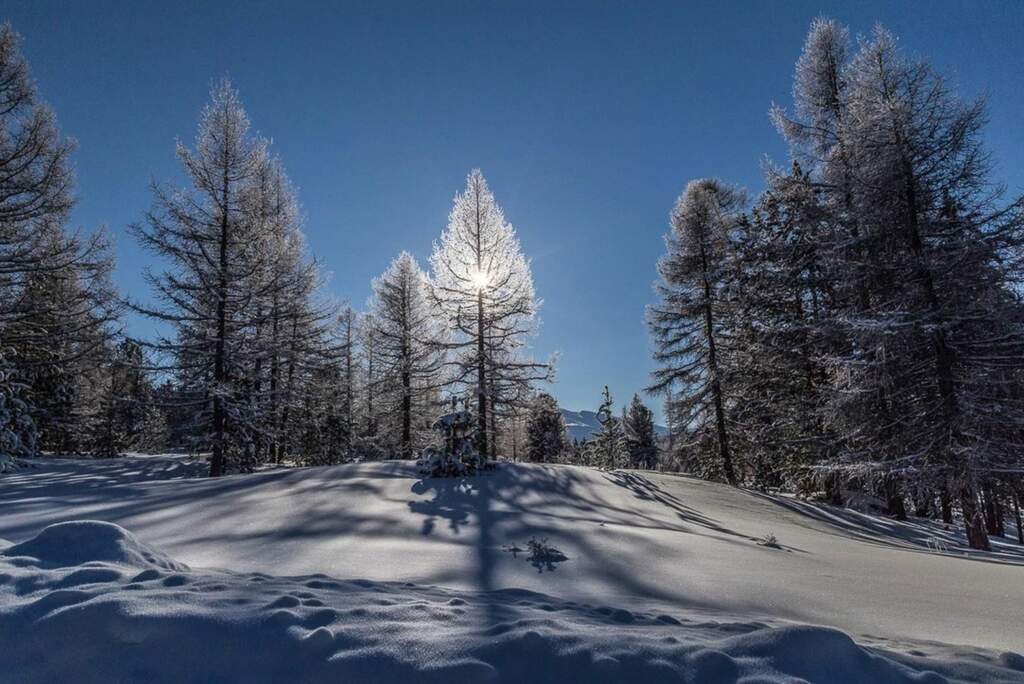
(583, 424)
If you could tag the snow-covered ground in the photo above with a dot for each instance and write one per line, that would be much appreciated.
(367, 572)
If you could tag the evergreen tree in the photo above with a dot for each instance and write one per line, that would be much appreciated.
(638, 429)
(937, 324)
(608, 447)
(129, 418)
(546, 434)
(238, 291)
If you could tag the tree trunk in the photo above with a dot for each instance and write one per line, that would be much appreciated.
(481, 378)
(974, 521)
(406, 413)
(992, 512)
(289, 384)
(275, 371)
(923, 502)
(895, 503)
(716, 385)
(1017, 518)
(946, 504)
(218, 460)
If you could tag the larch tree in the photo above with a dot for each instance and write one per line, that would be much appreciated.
(691, 322)
(482, 285)
(207, 235)
(410, 351)
(921, 259)
(56, 301)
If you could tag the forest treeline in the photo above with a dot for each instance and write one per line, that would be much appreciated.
(253, 364)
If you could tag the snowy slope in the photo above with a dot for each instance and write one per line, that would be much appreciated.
(639, 546)
(584, 424)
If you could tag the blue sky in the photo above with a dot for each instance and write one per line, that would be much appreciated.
(586, 118)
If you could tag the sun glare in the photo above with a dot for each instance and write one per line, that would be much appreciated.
(481, 279)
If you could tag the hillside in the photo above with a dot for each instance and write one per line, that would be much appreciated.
(646, 557)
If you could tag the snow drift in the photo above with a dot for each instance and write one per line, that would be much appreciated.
(106, 607)
(83, 541)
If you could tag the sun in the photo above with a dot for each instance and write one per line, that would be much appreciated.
(481, 279)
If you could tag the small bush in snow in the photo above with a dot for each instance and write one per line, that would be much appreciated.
(434, 462)
(543, 556)
(769, 540)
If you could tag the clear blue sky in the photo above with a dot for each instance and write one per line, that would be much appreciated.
(586, 118)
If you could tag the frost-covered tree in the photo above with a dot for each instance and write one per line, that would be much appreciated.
(923, 261)
(690, 323)
(638, 431)
(546, 436)
(206, 234)
(409, 350)
(56, 301)
(783, 296)
(238, 291)
(482, 284)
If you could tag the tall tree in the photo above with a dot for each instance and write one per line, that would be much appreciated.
(483, 286)
(690, 323)
(208, 236)
(925, 265)
(409, 348)
(56, 301)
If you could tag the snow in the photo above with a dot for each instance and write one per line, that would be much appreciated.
(83, 541)
(366, 571)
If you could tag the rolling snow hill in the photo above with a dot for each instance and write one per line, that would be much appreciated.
(368, 572)
(584, 424)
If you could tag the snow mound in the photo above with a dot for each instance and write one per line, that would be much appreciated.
(83, 541)
(115, 623)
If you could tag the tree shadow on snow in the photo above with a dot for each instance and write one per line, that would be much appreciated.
(914, 534)
(645, 489)
(507, 508)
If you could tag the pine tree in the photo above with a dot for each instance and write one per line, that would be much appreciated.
(129, 418)
(783, 296)
(482, 284)
(690, 323)
(546, 434)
